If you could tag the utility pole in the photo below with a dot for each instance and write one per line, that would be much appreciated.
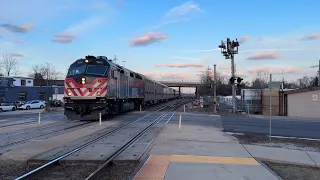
(215, 89)
(319, 74)
(229, 51)
(48, 69)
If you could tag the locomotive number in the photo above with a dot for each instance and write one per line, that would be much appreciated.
(134, 92)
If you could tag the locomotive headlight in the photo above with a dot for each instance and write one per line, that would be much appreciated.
(83, 80)
(69, 93)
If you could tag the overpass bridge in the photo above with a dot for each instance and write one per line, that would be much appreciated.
(180, 84)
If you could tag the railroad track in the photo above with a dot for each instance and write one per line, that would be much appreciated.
(32, 174)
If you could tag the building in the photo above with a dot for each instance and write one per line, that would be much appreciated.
(265, 103)
(303, 102)
(14, 89)
(19, 81)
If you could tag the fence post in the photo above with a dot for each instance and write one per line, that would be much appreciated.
(180, 121)
(100, 118)
(39, 118)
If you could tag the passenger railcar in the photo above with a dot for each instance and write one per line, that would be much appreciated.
(96, 85)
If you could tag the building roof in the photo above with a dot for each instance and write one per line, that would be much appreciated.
(20, 77)
(301, 90)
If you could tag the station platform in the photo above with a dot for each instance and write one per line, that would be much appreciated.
(199, 150)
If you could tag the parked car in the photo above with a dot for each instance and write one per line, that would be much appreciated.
(56, 103)
(35, 104)
(7, 107)
(19, 103)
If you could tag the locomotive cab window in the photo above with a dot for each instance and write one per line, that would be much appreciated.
(97, 70)
(76, 70)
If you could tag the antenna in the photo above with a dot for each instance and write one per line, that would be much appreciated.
(115, 59)
(124, 63)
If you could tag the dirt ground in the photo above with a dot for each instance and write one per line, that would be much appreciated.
(285, 170)
(293, 172)
(298, 144)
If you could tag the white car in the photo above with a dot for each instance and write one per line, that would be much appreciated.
(7, 107)
(33, 105)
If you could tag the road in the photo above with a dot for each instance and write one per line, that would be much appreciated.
(19, 116)
(288, 127)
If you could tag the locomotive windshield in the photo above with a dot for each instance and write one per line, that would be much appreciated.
(96, 70)
(76, 70)
(89, 69)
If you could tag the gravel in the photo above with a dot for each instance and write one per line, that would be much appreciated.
(11, 169)
(293, 172)
(287, 143)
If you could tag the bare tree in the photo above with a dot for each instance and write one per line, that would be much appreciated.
(42, 74)
(9, 64)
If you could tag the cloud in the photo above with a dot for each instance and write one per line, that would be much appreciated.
(47, 29)
(78, 29)
(17, 40)
(179, 13)
(266, 55)
(14, 54)
(243, 39)
(274, 70)
(180, 65)
(174, 75)
(314, 66)
(203, 50)
(63, 38)
(186, 58)
(311, 37)
(226, 75)
(149, 38)
(2, 16)
(17, 29)
(150, 74)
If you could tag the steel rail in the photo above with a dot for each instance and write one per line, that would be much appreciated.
(84, 145)
(128, 144)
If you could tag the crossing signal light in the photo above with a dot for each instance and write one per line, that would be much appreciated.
(239, 79)
(232, 80)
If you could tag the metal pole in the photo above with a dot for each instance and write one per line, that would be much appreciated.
(319, 74)
(233, 88)
(184, 108)
(140, 107)
(180, 121)
(215, 88)
(100, 118)
(270, 106)
(39, 118)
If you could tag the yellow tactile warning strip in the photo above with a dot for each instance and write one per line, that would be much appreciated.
(156, 165)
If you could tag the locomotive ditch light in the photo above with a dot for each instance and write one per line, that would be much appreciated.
(98, 93)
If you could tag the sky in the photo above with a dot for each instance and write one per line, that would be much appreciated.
(166, 40)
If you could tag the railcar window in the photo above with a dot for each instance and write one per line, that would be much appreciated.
(76, 70)
(97, 70)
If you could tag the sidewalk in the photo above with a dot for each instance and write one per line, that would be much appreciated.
(284, 155)
(200, 150)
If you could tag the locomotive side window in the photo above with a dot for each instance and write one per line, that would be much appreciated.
(112, 73)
